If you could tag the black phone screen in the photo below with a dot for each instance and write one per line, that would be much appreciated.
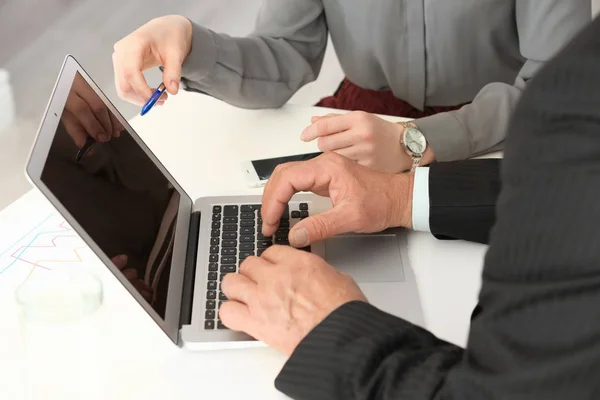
(264, 168)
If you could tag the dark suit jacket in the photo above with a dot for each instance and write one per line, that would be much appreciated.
(535, 333)
(462, 199)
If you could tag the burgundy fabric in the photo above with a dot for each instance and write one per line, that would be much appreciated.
(354, 98)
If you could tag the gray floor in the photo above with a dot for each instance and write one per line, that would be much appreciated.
(41, 32)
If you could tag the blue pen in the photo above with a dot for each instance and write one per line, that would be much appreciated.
(154, 98)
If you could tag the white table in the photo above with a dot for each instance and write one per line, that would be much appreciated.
(202, 141)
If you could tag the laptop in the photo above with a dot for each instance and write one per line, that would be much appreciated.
(168, 250)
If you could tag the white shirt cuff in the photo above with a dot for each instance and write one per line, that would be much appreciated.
(420, 208)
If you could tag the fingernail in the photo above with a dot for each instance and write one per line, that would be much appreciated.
(122, 258)
(300, 237)
(174, 85)
(117, 133)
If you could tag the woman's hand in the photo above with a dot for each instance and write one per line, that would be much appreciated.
(360, 136)
(164, 41)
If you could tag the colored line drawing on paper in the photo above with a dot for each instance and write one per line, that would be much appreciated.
(52, 241)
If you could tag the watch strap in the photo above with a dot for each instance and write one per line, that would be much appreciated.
(408, 124)
(415, 162)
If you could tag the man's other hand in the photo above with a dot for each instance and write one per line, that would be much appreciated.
(280, 297)
(363, 200)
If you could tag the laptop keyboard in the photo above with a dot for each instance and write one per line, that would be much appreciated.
(236, 234)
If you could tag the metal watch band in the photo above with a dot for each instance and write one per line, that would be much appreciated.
(409, 124)
(415, 162)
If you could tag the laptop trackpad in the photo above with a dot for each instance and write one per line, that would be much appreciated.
(367, 258)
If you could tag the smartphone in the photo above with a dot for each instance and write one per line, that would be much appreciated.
(259, 171)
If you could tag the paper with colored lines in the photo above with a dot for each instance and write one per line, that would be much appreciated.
(49, 246)
(39, 241)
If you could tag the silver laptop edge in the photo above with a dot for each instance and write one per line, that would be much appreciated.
(35, 165)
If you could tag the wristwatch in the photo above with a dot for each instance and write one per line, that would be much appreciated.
(414, 143)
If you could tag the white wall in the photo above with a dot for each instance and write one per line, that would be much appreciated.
(7, 108)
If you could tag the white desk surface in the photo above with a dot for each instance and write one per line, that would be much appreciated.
(202, 141)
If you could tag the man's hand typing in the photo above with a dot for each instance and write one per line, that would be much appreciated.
(280, 297)
(363, 200)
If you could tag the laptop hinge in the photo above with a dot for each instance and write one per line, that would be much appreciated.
(189, 273)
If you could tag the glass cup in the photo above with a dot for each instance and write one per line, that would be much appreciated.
(58, 331)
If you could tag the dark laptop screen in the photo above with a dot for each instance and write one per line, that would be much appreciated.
(114, 191)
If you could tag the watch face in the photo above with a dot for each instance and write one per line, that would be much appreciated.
(415, 141)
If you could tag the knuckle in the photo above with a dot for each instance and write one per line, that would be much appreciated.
(79, 107)
(278, 169)
(245, 265)
(361, 116)
(322, 127)
(128, 73)
(273, 250)
(366, 134)
(337, 159)
(308, 258)
(123, 88)
(121, 45)
(347, 278)
(324, 145)
(329, 156)
(98, 108)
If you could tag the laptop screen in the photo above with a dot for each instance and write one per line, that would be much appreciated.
(115, 192)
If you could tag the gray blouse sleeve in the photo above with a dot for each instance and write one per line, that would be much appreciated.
(265, 69)
(544, 27)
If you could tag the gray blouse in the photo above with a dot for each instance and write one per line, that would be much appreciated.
(428, 52)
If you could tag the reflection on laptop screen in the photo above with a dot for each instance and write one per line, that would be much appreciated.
(114, 191)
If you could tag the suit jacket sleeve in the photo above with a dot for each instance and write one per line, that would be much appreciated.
(534, 334)
(462, 199)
